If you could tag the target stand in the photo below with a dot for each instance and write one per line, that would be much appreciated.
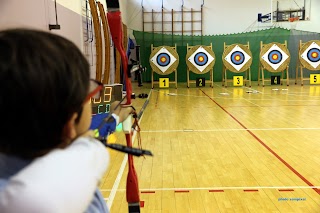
(274, 58)
(164, 60)
(309, 58)
(200, 60)
(236, 58)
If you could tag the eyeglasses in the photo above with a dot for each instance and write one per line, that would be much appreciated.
(95, 88)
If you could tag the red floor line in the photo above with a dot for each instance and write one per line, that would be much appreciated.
(286, 190)
(181, 191)
(274, 106)
(216, 190)
(141, 204)
(268, 148)
(148, 192)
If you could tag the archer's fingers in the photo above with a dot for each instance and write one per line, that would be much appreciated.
(124, 113)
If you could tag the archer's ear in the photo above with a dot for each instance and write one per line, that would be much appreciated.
(69, 130)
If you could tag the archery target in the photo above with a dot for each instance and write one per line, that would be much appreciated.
(275, 57)
(201, 59)
(163, 59)
(312, 55)
(237, 58)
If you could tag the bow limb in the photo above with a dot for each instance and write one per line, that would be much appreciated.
(115, 25)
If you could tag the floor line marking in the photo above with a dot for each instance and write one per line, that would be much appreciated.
(226, 130)
(216, 190)
(286, 190)
(225, 97)
(225, 188)
(266, 146)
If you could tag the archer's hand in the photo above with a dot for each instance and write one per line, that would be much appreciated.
(122, 111)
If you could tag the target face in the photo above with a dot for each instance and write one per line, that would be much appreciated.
(201, 59)
(312, 55)
(275, 56)
(163, 59)
(237, 57)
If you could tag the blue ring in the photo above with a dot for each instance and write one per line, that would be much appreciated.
(234, 54)
(275, 52)
(312, 50)
(197, 56)
(165, 55)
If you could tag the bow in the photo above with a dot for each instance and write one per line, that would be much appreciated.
(115, 26)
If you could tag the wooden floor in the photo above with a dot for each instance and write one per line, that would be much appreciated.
(234, 149)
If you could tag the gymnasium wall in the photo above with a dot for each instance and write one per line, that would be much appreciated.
(270, 35)
(220, 17)
(228, 16)
(224, 21)
(39, 14)
(72, 18)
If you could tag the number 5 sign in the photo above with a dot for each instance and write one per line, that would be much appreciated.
(314, 78)
(163, 82)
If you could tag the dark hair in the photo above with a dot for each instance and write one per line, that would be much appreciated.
(44, 79)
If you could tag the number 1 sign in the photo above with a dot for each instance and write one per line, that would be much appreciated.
(163, 82)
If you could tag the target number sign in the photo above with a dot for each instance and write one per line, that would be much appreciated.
(163, 82)
(200, 82)
(312, 55)
(275, 80)
(314, 78)
(237, 80)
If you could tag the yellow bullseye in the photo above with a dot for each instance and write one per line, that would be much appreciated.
(237, 58)
(201, 59)
(314, 55)
(275, 57)
(163, 59)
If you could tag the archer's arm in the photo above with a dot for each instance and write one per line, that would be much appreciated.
(64, 180)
